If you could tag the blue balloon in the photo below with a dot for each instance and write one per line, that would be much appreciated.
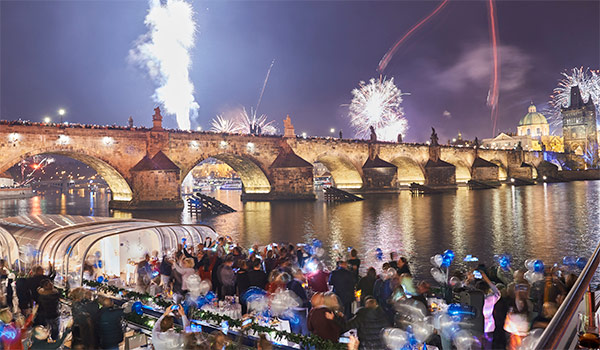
(317, 243)
(449, 254)
(461, 310)
(183, 239)
(569, 260)
(446, 261)
(137, 307)
(210, 296)
(581, 262)
(538, 266)
(100, 263)
(252, 293)
(100, 279)
(504, 262)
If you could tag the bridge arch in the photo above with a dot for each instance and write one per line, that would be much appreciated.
(463, 170)
(502, 171)
(344, 173)
(120, 189)
(409, 171)
(254, 178)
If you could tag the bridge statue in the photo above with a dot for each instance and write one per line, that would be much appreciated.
(373, 134)
(434, 138)
(288, 128)
(157, 119)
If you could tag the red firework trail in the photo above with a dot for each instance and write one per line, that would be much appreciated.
(494, 88)
(388, 56)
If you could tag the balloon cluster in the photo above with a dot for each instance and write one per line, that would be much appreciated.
(315, 248)
(441, 261)
(504, 261)
(535, 270)
(205, 299)
(137, 307)
(448, 324)
(200, 291)
(572, 262)
(279, 304)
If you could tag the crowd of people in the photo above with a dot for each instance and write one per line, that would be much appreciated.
(331, 303)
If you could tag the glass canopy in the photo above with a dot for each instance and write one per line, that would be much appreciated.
(111, 246)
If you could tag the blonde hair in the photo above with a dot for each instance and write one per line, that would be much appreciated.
(5, 315)
(331, 301)
(77, 294)
(188, 262)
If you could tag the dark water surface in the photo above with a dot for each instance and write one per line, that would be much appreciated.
(544, 221)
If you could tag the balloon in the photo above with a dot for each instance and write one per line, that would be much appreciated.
(529, 264)
(317, 243)
(100, 279)
(455, 281)
(193, 285)
(461, 310)
(446, 261)
(379, 254)
(449, 254)
(504, 262)
(394, 338)
(533, 277)
(450, 330)
(464, 340)
(538, 266)
(100, 263)
(98, 254)
(137, 307)
(258, 303)
(581, 262)
(283, 301)
(251, 293)
(204, 287)
(210, 296)
(438, 275)
(422, 330)
(436, 260)
(409, 311)
(569, 260)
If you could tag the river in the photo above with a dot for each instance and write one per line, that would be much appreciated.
(545, 221)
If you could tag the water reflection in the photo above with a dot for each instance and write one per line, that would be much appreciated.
(544, 222)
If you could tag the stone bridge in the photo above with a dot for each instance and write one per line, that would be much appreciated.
(145, 167)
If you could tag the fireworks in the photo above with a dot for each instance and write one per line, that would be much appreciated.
(220, 124)
(165, 52)
(377, 104)
(589, 86)
(494, 91)
(253, 124)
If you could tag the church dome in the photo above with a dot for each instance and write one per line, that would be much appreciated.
(533, 117)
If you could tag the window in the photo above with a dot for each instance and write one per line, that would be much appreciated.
(538, 132)
(528, 131)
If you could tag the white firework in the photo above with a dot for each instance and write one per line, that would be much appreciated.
(220, 124)
(253, 124)
(165, 52)
(589, 86)
(378, 104)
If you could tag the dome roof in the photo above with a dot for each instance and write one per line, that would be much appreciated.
(533, 117)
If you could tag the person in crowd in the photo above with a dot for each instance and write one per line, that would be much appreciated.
(227, 277)
(35, 281)
(354, 263)
(393, 260)
(6, 295)
(242, 281)
(238, 256)
(342, 281)
(216, 284)
(25, 300)
(219, 341)
(321, 320)
(500, 310)
(296, 285)
(270, 262)
(257, 277)
(365, 285)
(40, 338)
(402, 266)
(423, 290)
(165, 269)
(144, 274)
(221, 252)
(186, 269)
(164, 335)
(491, 297)
(109, 325)
(369, 321)
(49, 300)
(542, 320)
(383, 289)
(519, 313)
(19, 325)
(84, 312)
(318, 280)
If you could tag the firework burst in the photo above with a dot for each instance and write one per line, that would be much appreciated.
(254, 124)
(377, 104)
(223, 125)
(589, 86)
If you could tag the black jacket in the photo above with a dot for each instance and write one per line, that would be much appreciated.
(48, 302)
(369, 322)
(109, 329)
(296, 287)
(342, 281)
(84, 313)
(257, 278)
(45, 345)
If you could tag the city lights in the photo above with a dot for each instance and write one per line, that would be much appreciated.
(13, 137)
(63, 140)
(47, 120)
(107, 140)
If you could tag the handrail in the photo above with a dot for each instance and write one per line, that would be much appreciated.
(553, 334)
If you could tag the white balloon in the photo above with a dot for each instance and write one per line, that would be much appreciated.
(436, 260)
(193, 285)
(204, 287)
(455, 281)
(258, 304)
(438, 275)
(529, 264)
(464, 340)
(422, 330)
(284, 301)
(394, 338)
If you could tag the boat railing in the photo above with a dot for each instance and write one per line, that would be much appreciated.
(562, 329)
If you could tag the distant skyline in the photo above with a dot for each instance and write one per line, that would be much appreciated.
(73, 55)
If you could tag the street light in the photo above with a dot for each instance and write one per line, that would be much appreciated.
(61, 113)
(47, 120)
(332, 130)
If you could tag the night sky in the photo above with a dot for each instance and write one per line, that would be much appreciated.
(73, 54)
